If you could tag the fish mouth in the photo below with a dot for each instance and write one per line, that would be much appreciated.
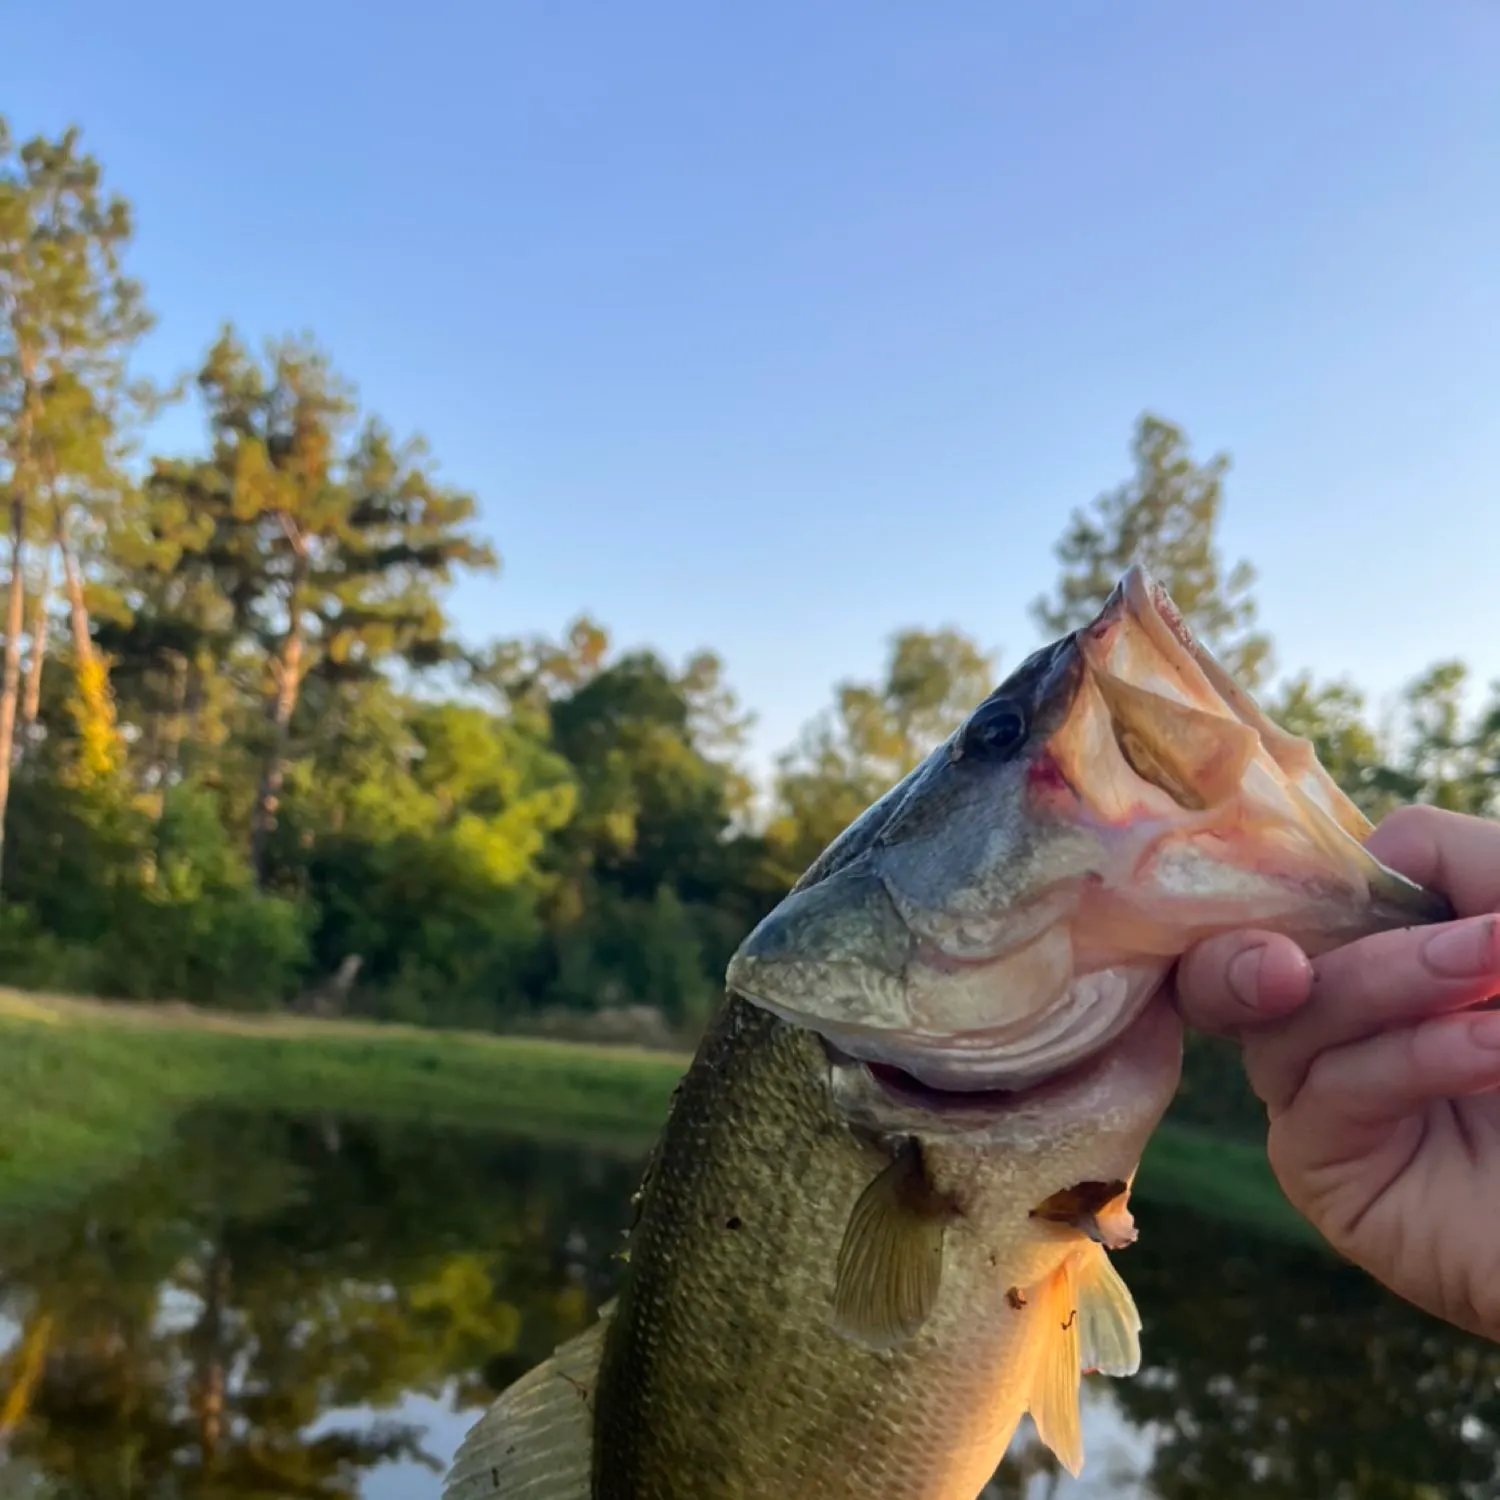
(907, 1089)
(1198, 765)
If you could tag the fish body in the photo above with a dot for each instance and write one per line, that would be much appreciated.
(876, 1228)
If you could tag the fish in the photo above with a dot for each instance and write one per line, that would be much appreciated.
(878, 1227)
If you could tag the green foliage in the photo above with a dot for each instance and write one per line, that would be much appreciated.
(1332, 716)
(1445, 756)
(316, 552)
(633, 951)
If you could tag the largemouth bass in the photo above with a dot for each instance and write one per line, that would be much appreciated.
(876, 1229)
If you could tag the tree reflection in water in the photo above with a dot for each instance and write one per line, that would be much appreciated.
(204, 1327)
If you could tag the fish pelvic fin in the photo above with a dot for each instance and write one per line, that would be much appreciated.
(891, 1262)
(536, 1442)
(1089, 1323)
(1054, 1393)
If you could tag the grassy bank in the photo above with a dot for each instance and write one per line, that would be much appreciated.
(88, 1088)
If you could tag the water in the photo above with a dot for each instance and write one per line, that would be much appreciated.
(318, 1308)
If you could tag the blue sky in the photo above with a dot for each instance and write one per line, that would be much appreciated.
(775, 328)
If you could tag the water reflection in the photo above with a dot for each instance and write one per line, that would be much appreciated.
(292, 1308)
(191, 1330)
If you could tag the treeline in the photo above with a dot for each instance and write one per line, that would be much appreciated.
(245, 760)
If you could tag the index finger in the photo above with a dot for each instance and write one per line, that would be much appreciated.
(1454, 853)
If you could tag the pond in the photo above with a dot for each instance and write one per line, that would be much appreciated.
(320, 1308)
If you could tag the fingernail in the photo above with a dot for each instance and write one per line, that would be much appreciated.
(1244, 975)
(1464, 951)
(1484, 1031)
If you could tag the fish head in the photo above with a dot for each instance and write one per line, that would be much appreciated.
(1010, 907)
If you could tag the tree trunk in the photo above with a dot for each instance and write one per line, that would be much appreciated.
(78, 612)
(15, 614)
(10, 684)
(31, 703)
(288, 676)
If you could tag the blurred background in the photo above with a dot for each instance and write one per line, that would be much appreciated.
(492, 490)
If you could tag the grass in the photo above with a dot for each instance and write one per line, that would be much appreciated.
(87, 1089)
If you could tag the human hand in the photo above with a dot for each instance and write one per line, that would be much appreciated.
(1380, 1076)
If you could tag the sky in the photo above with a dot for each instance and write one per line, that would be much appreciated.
(777, 328)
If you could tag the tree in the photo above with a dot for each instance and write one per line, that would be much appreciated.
(1166, 516)
(1441, 755)
(655, 878)
(330, 553)
(69, 320)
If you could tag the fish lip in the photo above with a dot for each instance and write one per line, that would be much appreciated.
(850, 980)
(1142, 600)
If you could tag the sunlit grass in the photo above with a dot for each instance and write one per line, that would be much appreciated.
(88, 1088)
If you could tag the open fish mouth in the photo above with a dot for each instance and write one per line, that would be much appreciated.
(908, 1090)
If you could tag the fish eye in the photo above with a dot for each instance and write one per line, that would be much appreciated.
(996, 731)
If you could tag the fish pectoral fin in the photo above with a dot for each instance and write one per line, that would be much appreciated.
(1109, 1329)
(891, 1262)
(536, 1442)
(1054, 1394)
